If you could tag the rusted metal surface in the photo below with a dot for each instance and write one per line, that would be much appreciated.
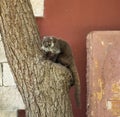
(103, 74)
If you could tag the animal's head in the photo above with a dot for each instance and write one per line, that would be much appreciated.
(50, 44)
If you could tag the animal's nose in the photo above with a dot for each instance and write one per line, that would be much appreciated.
(46, 44)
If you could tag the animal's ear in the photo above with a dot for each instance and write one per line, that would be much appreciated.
(51, 37)
(44, 37)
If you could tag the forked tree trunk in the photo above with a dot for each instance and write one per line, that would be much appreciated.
(44, 85)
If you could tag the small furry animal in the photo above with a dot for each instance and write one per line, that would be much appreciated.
(59, 51)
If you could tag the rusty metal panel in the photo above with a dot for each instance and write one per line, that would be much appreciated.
(103, 74)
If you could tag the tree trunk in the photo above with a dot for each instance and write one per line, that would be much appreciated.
(44, 85)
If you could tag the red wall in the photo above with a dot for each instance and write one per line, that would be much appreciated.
(72, 20)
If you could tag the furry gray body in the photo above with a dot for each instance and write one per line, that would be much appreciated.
(59, 51)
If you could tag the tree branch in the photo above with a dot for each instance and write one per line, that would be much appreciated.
(44, 85)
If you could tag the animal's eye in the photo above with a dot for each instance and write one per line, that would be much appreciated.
(47, 43)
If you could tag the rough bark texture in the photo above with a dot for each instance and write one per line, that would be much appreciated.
(44, 85)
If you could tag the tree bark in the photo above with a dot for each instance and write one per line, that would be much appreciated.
(44, 85)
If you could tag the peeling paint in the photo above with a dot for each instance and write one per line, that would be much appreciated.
(99, 94)
(116, 87)
(102, 42)
(91, 47)
(114, 107)
(109, 105)
(103, 75)
(116, 97)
